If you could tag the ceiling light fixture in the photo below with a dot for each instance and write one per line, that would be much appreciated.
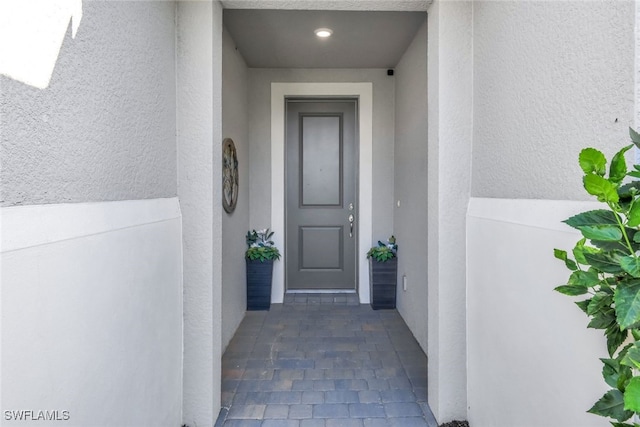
(323, 32)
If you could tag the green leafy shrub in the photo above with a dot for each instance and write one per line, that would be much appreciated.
(606, 269)
(384, 251)
(260, 246)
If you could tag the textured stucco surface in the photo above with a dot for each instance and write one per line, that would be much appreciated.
(104, 128)
(410, 181)
(260, 134)
(199, 120)
(235, 125)
(549, 79)
(449, 165)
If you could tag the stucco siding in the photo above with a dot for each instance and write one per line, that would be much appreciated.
(410, 180)
(549, 79)
(199, 118)
(235, 125)
(104, 128)
(450, 84)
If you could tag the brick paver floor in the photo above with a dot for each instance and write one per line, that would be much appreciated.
(324, 360)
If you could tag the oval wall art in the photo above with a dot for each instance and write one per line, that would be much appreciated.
(229, 175)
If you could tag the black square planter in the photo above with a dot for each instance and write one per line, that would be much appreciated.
(383, 277)
(259, 284)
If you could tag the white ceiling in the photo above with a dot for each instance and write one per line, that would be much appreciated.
(397, 5)
(284, 38)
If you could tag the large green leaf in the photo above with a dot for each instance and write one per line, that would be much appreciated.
(607, 262)
(632, 395)
(592, 218)
(627, 300)
(635, 137)
(605, 233)
(592, 161)
(618, 168)
(631, 265)
(601, 188)
(611, 405)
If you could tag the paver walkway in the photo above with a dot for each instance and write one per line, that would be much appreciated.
(324, 360)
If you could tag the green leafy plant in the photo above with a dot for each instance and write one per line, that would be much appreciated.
(384, 251)
(260, 246)
(605, 268)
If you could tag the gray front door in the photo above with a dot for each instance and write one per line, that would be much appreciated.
(321, 212)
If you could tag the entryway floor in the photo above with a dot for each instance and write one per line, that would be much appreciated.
(324, 360)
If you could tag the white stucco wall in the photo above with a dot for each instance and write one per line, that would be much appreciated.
(449, 163)
(92, 313)
(260, 134)
(410, 184)
(235, 125)
(104, 128)
(532, 360)
(549, 79)
(199, 117)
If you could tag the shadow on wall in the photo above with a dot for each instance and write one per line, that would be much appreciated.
(31, 35)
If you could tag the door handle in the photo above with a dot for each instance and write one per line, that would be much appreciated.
(351, 225)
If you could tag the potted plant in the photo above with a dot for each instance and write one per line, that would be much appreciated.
(383, 274)
(260, 254)
(605, 273)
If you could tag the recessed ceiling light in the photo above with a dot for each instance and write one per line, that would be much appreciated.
(323, 32)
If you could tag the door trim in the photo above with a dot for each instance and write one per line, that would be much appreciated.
(364, 93)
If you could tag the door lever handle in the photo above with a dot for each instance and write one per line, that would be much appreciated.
(351, 225)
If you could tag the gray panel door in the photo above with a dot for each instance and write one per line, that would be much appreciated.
(321, 212)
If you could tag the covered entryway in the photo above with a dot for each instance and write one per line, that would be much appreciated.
(270, 57)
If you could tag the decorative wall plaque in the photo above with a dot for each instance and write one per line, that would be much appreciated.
(229, 175)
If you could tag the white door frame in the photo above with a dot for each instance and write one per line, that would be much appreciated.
(364, 93)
